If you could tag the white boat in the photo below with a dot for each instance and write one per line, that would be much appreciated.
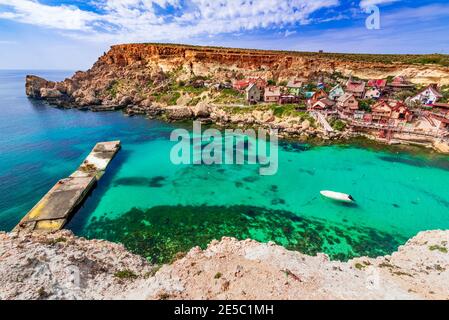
(338, 196)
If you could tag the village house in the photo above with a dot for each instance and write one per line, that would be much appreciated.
(241, 85)
(323, 104)
(428, 96)
(401, 113)
(440, 115)
(272, 94)
(373, 93)
(347, 104)
(336, 92)
(253, 93)
(400, 83)
(391, 112)
(359, 115)
(357, 88)
(381, 113)
(295, 86)
(289, 98)
(318, 95)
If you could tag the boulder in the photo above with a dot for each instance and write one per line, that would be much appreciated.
(34, 84)
(178, 113)
(125, 101)
(305, 125)
(49, 93)
(201, 110)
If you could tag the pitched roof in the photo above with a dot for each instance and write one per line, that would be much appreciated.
(296, 83)
(346, 97)
(272, 91)
(355, 86)
(400, 81)
(389, 105)
(241, 83)
(378, 83)
(382, 106)
(337, 87)
(326, 101)
(250, 87)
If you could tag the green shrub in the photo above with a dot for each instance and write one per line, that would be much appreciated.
(125, 274)
(338, 125)
(439, 248)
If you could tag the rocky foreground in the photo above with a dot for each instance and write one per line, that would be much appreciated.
(62, 266)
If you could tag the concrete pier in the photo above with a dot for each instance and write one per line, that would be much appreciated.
(54, 210)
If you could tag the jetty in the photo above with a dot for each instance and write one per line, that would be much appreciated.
(55, 209)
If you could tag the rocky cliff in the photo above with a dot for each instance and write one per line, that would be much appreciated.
(62, 266)
(134, 74)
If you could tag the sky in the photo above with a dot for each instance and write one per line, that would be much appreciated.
(72, 34)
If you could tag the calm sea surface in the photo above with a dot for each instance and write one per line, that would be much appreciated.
(158, 209)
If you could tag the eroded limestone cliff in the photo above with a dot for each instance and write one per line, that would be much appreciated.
(133, 74)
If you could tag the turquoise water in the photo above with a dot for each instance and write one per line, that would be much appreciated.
(158, 209)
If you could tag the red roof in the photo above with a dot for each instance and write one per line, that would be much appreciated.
(380, 83)
(242, 84)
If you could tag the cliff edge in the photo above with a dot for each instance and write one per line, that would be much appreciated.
(136, 74)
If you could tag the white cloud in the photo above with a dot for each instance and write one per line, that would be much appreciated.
(142, 20)
(367, 3)
(60, 17)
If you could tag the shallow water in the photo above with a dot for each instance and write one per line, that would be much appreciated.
(157, 209)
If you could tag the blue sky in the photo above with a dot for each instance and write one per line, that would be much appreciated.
(71, 34)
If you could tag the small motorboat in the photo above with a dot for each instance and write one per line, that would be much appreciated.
(338, 196)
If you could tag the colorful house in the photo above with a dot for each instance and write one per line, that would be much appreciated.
(241, 85)
(357, 88)
(253, 93)
(288, 98)
(272, 94)
(401, 113)
(295, 86)
(373, 93)
(428, 96)
(391, 112)
(381, 113)
(347, 104)
(400, 83)
(441, 116)
(336, 92)
(323, 104)
(318, 95)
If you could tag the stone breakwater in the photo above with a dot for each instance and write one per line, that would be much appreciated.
(53, 211)
(63, 266)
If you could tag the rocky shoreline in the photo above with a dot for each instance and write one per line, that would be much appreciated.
(63, 266)
(177, 82)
